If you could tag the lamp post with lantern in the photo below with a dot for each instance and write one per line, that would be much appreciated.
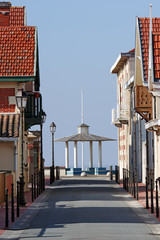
(52, 129)
(21, 101)
(43, 119)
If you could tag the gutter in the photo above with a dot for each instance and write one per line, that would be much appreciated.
(8, 139)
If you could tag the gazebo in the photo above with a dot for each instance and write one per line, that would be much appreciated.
(83, 135)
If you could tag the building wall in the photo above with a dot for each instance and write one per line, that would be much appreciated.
(7, 158)
(8, 91)
(123, 98)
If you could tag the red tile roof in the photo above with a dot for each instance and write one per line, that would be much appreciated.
(9, 125)
(144, 24)
(17, 51)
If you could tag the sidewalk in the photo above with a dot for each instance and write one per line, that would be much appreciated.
(142, 198)
(28, 198)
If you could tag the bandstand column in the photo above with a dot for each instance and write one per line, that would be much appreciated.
(66, 155)
(75, 154)
(100, 154)
(91, 155)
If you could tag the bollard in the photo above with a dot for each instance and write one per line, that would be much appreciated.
(123, 177)
(50, 175)
(6, 213)
(111, 173)
(118, 176)
(152, 206)
(134, 187)
(18, 200)
(137, 197)
(12, 202)
(32, 188)
(157, 205)
(127, 180)
(43, 176)
(116, 173)
(40, 183)
(147, 203)
(34, 185)
(132, 184)
(37, 185)
(57, 173)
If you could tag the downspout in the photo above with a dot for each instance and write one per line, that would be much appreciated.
(15, 158)
(140, 147)
(132, 152)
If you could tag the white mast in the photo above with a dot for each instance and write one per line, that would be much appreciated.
(82, 108)
(150, 57)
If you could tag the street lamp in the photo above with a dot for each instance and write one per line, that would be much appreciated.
(21, 100)
(43, 119)
(52, 129)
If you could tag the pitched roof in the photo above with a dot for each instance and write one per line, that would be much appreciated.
(18, 45)
(83, 137)
(9, 125)
(122, 58)
(144, 24)
(17, 51)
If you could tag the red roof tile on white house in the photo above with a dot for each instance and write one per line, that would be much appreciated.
(144, 24)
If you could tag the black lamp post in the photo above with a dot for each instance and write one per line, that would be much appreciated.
(21, 100)
(43, 119)
(52, 129)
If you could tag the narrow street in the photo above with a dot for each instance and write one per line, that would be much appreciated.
(91, 208)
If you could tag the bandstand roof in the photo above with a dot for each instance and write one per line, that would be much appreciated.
(83, 137)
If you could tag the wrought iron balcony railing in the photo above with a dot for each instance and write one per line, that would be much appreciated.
(33, 111)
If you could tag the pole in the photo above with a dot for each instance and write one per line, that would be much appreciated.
(6, 212)
(152, 206)
(41, 167)
(147, 204)
(22, 183)
(18, 198)
(157, 205)
(53, 177)
(12, 203)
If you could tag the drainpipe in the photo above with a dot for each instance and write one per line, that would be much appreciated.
(132, 142)
(147, 156)
(140, 146)
(15, 158)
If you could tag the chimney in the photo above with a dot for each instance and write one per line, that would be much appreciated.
(5, 5)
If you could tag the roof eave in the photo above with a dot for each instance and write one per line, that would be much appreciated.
(122, 58)
(17, 78)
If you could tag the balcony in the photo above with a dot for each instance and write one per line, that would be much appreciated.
(33, 111)
(153, 125)
(120, 116)
(143, 102)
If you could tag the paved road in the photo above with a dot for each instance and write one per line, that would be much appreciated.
(85, 209)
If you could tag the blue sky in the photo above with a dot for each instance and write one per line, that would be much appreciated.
(79, 40)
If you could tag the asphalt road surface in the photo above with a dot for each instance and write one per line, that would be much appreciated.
(91, 208)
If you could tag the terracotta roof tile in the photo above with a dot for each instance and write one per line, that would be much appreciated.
(9, 125)
(17, 49)
(144, 24)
